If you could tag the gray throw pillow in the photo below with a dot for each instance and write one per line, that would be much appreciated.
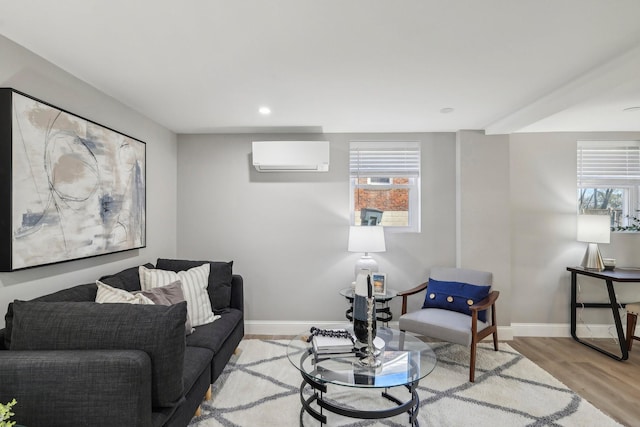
(168, 295)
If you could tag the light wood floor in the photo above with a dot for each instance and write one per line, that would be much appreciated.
(609, 385)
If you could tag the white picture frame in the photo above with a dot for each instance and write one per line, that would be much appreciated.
(379, 282)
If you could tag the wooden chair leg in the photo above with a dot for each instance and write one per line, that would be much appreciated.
(632, 319)
(207, 395)
(236, 351)
(198, 412)
(495, 340)
(472, 362)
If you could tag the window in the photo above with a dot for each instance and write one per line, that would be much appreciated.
(385, 184)
(609, 180)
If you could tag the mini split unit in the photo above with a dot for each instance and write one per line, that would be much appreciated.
(291, 156)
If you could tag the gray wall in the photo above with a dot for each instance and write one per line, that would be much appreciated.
(543, 234)
(505, 204)
(287, 232)
(31, 74)
(483, 210)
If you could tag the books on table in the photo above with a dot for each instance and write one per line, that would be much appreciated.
(325, 345)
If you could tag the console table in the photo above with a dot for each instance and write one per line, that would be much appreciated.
(624, 275)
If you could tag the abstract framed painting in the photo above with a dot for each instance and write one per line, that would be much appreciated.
(69, 187)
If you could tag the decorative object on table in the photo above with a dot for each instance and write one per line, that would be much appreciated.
(454, 309)
(382, 310)
(361, 309)
(609, 263)
(633, 311)
(593, 229)
(6, 414)
(364, 321)
(71, 188)
(329, 342)
(379, 281)
(366, 239)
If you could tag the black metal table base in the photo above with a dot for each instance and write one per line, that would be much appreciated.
(411, 406)
(383, 314)
(612, 304)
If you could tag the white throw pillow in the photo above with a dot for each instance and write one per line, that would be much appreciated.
(194, 287)
(108, 294)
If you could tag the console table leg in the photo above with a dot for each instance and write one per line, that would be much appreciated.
(616, 317)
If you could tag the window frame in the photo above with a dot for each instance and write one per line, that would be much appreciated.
(413, 185)
(623, 174)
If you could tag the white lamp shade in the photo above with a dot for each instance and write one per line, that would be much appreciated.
(594, 228)
(366, 239)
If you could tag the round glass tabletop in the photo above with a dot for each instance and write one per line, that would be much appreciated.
(389, 294)
(405, 360)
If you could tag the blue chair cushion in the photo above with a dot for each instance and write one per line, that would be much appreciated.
(455, 296)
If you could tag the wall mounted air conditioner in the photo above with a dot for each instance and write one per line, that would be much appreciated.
(291, 156)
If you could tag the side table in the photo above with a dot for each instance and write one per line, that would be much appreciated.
(618, 275)
(383, 311)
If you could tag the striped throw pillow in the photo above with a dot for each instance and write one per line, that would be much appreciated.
(108, 294)
(194, 287)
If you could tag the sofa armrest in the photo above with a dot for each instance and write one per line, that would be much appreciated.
(3, 332)
(237, 292)
(77, 387)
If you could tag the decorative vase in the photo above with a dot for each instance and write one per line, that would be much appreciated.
(361, 319)
(364, 320)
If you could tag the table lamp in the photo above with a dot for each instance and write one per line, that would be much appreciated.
(593, 229)
(366, 239)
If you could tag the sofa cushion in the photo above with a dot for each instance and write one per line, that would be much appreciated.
(220, 276)
(127, 279)
(77, 293)
(196, 361)
(194, 287)
(213, 335)
(163, 295)
(155, 329)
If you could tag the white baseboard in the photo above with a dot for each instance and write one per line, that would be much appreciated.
(505, 333)
(563, 330)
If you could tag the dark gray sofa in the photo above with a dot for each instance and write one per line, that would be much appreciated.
(134, 366)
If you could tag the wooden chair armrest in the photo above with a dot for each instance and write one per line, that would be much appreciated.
(419, 288)
(404, 294)
(485, 303)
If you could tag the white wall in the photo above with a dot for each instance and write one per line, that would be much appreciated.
(24, 71)
(287, 232)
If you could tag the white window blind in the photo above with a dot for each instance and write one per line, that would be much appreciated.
(615, 163)
(370, 159)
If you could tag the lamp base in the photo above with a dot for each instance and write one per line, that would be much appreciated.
(592, 259)
(366, 263)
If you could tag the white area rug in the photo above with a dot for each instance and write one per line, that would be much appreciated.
(260, 387)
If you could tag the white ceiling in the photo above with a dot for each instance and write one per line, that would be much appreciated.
(349, 65)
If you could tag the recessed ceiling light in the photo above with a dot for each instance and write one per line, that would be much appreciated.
(265, 111)
(447, 110)
(632, 109)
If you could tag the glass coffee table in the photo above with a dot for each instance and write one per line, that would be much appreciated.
(405, 361)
